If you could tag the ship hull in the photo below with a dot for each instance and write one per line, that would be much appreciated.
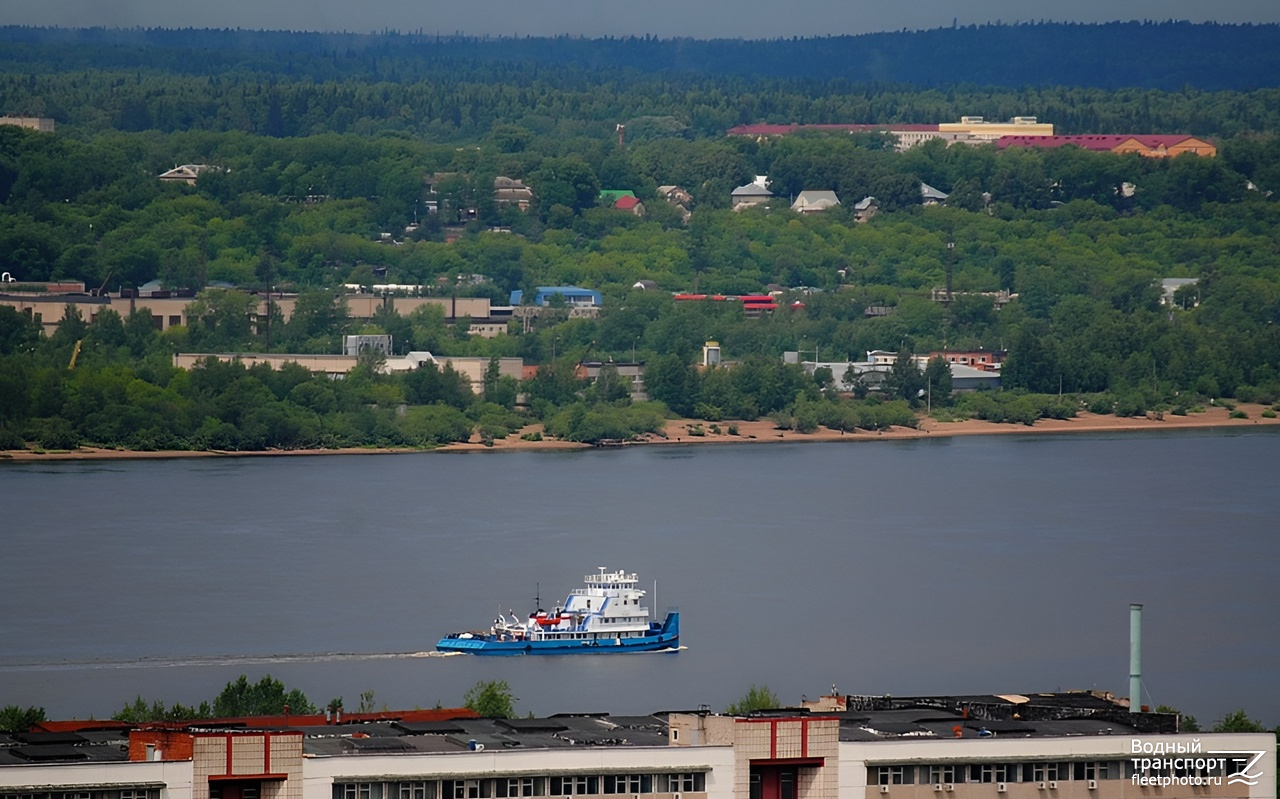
(665, 637)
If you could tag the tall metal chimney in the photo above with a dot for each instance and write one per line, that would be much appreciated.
(1135, 658)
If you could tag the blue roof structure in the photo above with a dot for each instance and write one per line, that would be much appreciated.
(573, 295)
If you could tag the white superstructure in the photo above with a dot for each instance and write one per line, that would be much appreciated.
(608, 604)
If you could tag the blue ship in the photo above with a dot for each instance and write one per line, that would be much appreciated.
(604, 617)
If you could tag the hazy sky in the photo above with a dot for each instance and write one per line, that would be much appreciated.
(666, 18)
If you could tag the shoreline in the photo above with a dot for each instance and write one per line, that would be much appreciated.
(678, 433)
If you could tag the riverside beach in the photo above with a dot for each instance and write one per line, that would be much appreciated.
(681, 432)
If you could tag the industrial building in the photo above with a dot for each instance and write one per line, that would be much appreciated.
(1015, 746)
(169, 308)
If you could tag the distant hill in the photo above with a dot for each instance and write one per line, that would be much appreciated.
(1153, 55)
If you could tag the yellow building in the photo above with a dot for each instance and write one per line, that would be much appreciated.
(30, 123)
(981, 130)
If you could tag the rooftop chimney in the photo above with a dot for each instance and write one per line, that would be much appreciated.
(1135, 658)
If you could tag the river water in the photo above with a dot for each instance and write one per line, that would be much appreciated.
(952, 565)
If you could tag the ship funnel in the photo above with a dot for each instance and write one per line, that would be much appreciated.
(1135, 658)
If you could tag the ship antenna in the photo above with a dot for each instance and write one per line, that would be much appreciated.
(655, 599)
(537, 595)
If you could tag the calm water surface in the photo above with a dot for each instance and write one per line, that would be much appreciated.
(951, 565)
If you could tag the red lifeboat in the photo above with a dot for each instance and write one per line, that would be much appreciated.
(544, 620)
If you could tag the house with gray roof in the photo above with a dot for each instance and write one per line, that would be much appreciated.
(931, 196)
(754, 193)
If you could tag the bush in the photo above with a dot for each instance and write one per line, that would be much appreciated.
(535, 436)
(429, 425)
(155, 440)
(807, 417)
(216, 435)
(1269, 414)
(879, 416)
(707, 412)
(581, 422)
(494, 420)
(1206, 386)
(1054, 408)
(9, 439)
(1023, 410)
(1263, 395)
(59, 435)
(1131, 404)
(1239, 415)
(1101, 403)
(1017, 407)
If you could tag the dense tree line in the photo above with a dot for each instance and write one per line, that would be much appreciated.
(1166, 55)
(565, 101)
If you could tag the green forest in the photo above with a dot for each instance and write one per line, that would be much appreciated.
(316, 182)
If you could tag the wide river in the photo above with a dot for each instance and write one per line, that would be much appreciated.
(953, 565)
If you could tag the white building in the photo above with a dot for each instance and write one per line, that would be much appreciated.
(1036, 746)
(812, 201)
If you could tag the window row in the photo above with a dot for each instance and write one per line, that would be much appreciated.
(112, 793)
(952, 773)
(514, 787)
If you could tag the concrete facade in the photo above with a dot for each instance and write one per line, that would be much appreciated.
(170, 311)
(334, 366)
(1085, 767)
(703, 756)
(630, 373)
(979, 130)
(43, 124)
(337, 366)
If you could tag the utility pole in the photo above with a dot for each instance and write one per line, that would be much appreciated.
(951, 253)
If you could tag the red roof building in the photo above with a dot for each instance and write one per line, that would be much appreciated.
(753, 305)
(629, 203)
(264, 722)
(1150, 145)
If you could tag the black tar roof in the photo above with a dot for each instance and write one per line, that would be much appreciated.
(868, 718)
(545, 733)
(875, 718)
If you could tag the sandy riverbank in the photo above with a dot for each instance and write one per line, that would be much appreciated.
(763, 431)
(760, 432)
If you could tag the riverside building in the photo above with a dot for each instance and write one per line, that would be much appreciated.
(1036, 746)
